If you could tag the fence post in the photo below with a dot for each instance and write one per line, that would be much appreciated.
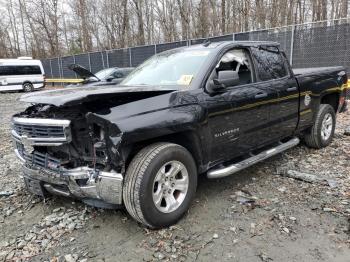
(130, 59)
(155, 49)
(233, 37)
(103, 61)
(62, 75)
(59, 67)
(74, 61)
(51, 68)
(107, 58)
(292, 46)
(89, 62)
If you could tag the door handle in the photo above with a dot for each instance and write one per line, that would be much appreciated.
(291, 89)
(260, 95)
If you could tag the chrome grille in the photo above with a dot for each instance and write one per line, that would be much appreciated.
(36, 131)
(41, 132)
(39, 159)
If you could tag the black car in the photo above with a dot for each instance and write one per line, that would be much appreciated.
(107, 76)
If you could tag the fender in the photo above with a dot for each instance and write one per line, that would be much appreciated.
(177, 114)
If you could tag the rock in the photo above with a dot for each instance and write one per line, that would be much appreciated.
(56, 210)
(233, 229)
(347, 131)
(29, 236)
(332, 183)
(215, 236)
(71, 258)
(245, 197)
(71, 226)
(21, 244)
(264, 257)
(5, 193)
(159, 255)
(9, 212)
(282, 189)
(286, 230)
(344, 202)
(292, 218)
(168, 249)
(328, 209)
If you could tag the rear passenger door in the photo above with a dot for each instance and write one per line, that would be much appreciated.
(273, 72)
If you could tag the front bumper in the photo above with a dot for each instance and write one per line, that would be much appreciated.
(84, 183)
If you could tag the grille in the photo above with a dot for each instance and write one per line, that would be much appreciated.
(37, 131)
(39, 159)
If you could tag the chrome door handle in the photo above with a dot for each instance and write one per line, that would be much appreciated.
(291, 89)
(261, 95)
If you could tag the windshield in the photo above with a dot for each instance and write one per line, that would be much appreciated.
(103, 74)
(170, 68)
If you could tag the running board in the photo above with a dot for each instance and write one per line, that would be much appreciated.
(229, 170)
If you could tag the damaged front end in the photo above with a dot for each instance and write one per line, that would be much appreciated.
(64, 152)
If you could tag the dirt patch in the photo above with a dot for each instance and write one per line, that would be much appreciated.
(256, 215)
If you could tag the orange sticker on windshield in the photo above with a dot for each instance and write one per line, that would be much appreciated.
(185, 80)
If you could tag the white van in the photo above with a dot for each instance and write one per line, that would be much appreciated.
(23, 73)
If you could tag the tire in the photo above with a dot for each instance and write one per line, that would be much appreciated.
(28, 87)
(143, 181)
(316, 137)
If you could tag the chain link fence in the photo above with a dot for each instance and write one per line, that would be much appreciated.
(325, 43)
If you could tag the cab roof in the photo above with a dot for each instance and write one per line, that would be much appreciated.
(238, 43)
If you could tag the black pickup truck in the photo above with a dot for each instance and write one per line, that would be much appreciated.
(209, 109)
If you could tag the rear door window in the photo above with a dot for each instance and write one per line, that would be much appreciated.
(270, 63)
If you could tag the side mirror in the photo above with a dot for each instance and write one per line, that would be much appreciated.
(109, 79)
(227, 78)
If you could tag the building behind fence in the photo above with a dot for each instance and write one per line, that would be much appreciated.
(325, 43)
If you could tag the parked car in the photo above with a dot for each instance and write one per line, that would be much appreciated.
(23, 73)
(211, 109)
(107, 76)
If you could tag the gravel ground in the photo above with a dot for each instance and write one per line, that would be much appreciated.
(259, 214)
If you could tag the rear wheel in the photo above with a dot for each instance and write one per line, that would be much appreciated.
(322, 132)
(160, 184)
(28, 87)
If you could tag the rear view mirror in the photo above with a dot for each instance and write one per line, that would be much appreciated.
(227, 78)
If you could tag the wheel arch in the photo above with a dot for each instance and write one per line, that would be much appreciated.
(187, 139)
(331, 99)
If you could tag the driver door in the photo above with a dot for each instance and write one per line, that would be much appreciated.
(238, 116)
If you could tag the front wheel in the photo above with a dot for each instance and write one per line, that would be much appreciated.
(160, 184)
(322, 132)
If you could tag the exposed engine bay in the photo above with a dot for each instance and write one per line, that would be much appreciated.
(86, 139)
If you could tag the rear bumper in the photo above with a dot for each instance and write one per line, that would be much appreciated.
(83, 183)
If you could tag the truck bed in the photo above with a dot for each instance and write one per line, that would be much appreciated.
(313, 70)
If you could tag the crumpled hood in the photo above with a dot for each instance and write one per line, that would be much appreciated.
(78, 95)
(81, 71)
